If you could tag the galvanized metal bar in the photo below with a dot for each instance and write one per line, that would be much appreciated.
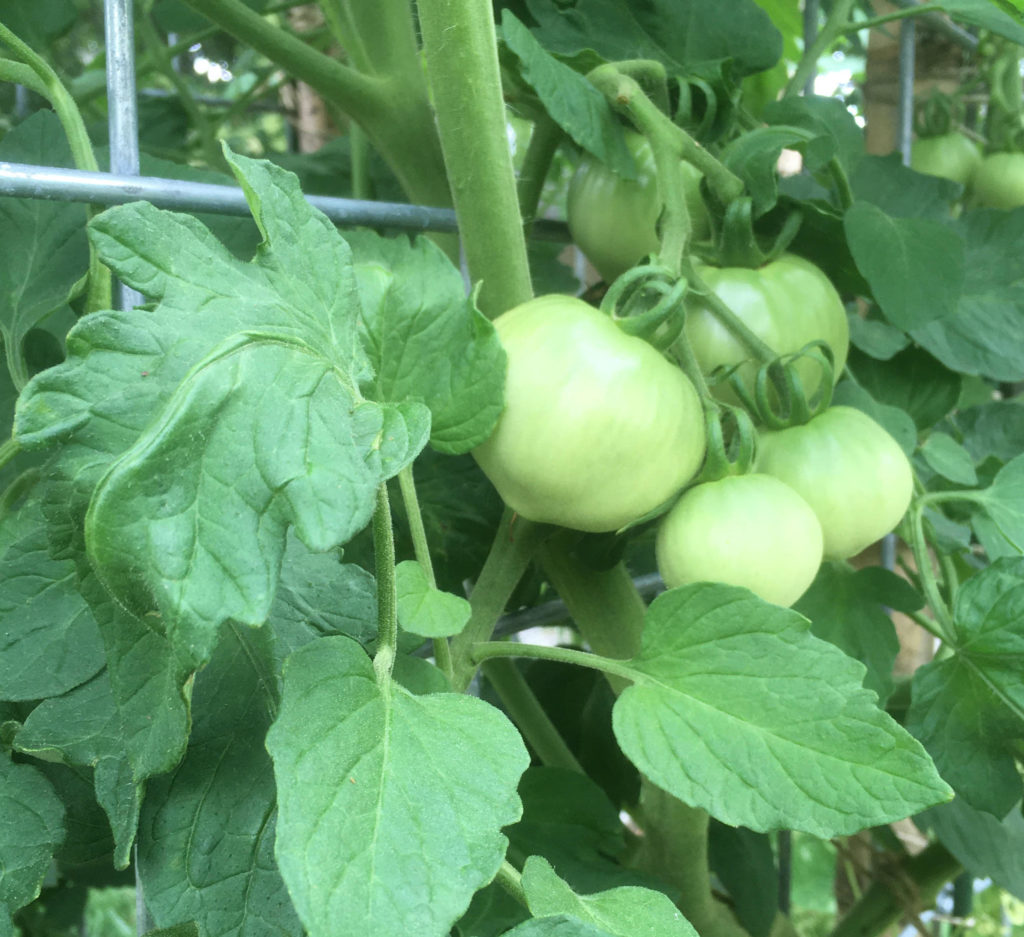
(905, 112)
(122, 105)
(811, 8)
(100, 188)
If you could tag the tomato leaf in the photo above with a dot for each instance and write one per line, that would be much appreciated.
(982, 842)
(378, 788)
(252, 420)
(424, 610)
(677, 33)
(974, 339)
(738, 709)
(43, 249)
(885, 182)
(988, 16)
(915, 266)
(198, 804)
(569, 99)
(951, 460)
(623, 911)
(846, 608)
(744, 863)
(753, 157)
(32, 830)
(992, 429)
(834, 132)
(896, 422)
(1003, 501)
(426, 340)
(875, 337)
(557, 925)
(968, 706)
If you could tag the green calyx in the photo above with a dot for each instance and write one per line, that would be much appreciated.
(731, 442)
(738, 243)
(647, 302)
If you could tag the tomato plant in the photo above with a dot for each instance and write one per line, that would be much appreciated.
(949, 155)
(583, 401)
(744, 530)
(787, 304)
(850, 470)
(614, 220)
(330, 601)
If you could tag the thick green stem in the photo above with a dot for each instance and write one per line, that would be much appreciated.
(837, 23)
(515, 543)
(387, 596)
(857, 25)
(359, 152)
(407, 485)
(626, 96)
(529, 716)
(917, 879)
(395, 115)
(540, 152)
(462, 64)
(676, 847)
(926, 571)
(509, 878)
(8, 450)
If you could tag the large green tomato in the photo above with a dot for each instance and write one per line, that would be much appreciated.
(848, 469)
(787, 303)
(999, 181)
(951, 156)
(614, 221)
(598, 428)
(743, 530)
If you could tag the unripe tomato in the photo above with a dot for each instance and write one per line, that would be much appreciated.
(743, 530)
(787, 303)
(848, 469)
(999, 181)
(951, 156)
(598, 428)
(614, 221)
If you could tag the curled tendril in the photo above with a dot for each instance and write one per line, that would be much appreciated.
(647, 302)
(779, 398)
(730, 442)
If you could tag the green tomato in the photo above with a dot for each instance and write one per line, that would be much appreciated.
(951, 156)
(598, 429)
(848, 469)
(999, 181)
(787, 303)
(614, 221)
(743, 530)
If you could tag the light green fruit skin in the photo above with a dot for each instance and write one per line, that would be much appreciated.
(598, 428)
(787, 303)
(949, 156)
(743, 530)
(614, 221)
(848, 469)
(999, 182)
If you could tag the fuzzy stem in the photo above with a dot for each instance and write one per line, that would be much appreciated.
(529, 716)
(488, 650)
(462, 64)
(540, 152)
(387, 597)
(514, 545)
(509, 878)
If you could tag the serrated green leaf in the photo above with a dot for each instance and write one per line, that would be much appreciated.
(1003, 501)
(425, 610)
(951, 460)
(846, 607)
(915, 266)
(31, 831)
(43, 250)
(628, 911)
(969, 705)
(987, 847)
(49, 642)
(390, 805)
(884, 181)
(571, 101)
(249, 419)
(206, 854)
(677, 33)
(738, 709)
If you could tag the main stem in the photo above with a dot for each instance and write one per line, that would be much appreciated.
(462, 64)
